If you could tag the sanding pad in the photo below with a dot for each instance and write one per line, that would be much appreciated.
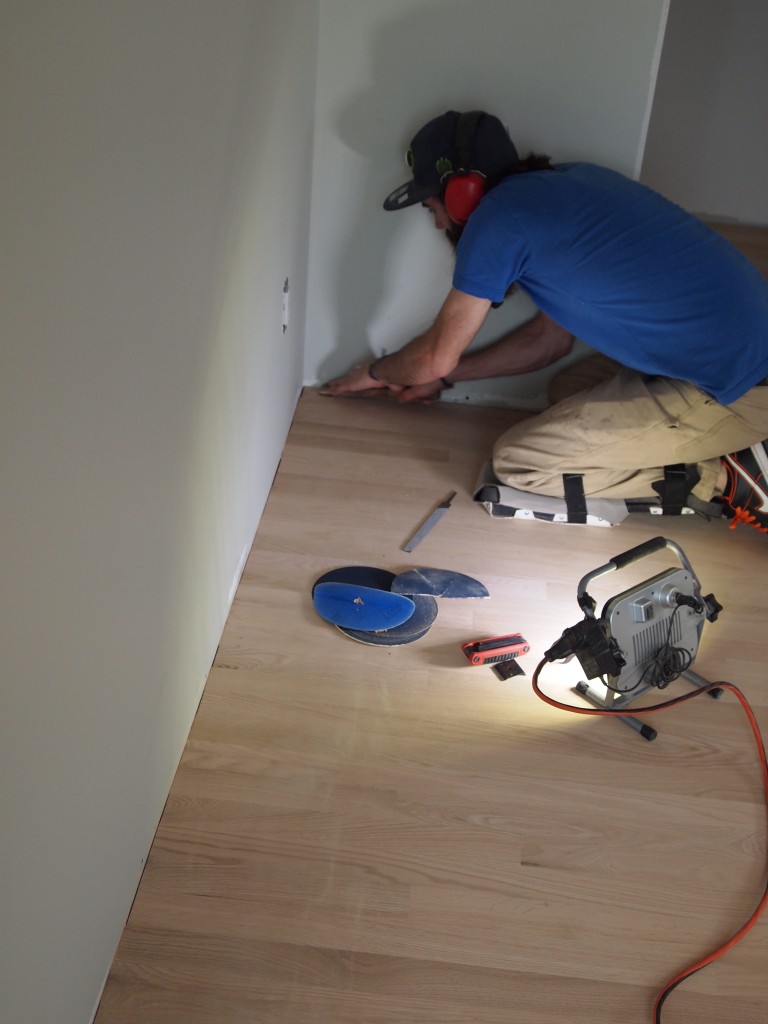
(360, 575)
(366, 608)
(415, 627)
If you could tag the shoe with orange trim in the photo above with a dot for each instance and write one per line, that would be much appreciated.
(745, 499)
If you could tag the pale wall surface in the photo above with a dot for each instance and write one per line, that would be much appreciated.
(707, 145)
(571, 79)
(155, 195)
(157, 176)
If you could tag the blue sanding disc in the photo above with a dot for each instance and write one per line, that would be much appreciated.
(366, 608)
(419, 623)
(360, 575)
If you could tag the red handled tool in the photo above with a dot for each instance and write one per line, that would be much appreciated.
(496, 648)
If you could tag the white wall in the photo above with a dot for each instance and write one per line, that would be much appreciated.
(155, 195)
(707, 141)
(158, 162)
(571, 78)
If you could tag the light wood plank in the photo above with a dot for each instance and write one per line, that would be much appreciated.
(363, 835)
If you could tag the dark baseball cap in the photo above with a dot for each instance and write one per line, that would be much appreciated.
(438, 149)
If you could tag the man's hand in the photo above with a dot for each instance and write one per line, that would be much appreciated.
(358, 379)
(425, 359)
(424, 393)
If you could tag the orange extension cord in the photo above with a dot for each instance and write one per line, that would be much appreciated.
(651, 709)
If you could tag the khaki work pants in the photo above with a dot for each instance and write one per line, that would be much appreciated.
(621, 434)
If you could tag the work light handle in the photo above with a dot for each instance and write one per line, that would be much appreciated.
(648, 547)
(621, 561)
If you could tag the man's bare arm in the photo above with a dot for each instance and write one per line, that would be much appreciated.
(533, 345)
(428, 357)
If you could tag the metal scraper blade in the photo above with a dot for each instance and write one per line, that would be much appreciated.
(429, 523)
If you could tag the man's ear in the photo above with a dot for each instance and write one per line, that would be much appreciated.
(462, 195)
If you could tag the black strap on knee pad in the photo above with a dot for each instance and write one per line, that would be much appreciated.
(679, 480)
(575, 502)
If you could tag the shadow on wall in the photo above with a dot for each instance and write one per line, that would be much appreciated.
(413, 72)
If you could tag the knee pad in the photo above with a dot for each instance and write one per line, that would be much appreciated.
(674, 498)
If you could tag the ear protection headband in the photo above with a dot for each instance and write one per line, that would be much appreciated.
(464, 188)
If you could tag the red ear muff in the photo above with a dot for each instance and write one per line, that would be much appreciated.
(463, 192)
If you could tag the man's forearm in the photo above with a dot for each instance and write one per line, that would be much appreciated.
(438, 355)
(436, 352)
(532, 346)
(414, 363)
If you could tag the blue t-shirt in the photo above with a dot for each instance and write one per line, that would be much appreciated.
(625, 270)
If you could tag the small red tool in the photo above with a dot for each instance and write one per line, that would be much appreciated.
(496, 648)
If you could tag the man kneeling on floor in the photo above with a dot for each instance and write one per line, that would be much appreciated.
(607, 260)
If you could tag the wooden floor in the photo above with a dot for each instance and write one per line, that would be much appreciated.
(362, 835)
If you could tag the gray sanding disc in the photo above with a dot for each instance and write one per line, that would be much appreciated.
(438, 583)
